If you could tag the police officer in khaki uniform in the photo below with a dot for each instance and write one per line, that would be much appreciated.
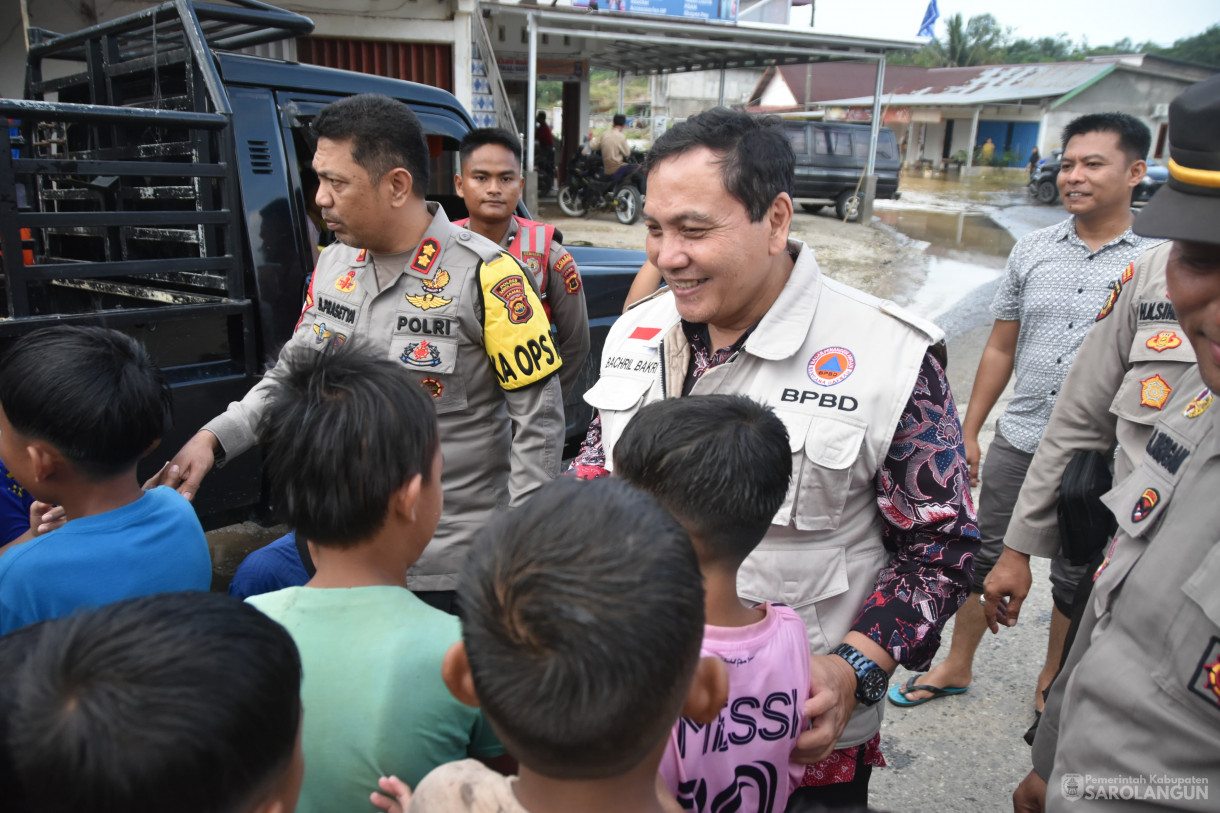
(452, 308)
(491, 185)
(1133, 720)
(1132, 357)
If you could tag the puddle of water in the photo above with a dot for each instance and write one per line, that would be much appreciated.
(956, 232)
(964, 252)
(947, 283)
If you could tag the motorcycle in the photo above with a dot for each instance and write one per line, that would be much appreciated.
(1043, 185)
(589, 190)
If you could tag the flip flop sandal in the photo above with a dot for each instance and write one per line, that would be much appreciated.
(898, 694)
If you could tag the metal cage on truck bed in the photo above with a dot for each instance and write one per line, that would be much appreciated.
(120, 201)
(124, 187)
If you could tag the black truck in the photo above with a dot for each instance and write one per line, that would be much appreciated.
(155, 180)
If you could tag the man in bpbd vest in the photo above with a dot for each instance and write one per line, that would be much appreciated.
(490, 183)
(873, 544)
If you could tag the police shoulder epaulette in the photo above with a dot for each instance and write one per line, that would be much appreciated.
(343, 254)
(477, 244)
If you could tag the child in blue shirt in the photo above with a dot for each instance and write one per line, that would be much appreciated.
(15, 504)
(79, 408)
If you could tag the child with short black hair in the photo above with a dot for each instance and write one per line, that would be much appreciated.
(582, 616)
(352, 455)
(187, 702)
(79, 408)
(721, 465)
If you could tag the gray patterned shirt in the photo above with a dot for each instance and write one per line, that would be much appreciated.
(1055, 285)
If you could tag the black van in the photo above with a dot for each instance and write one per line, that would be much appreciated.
(830, 158)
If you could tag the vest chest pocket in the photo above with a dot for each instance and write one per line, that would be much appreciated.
(434, 363)
(616, 398)
(823, 451)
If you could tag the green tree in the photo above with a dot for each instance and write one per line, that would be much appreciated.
(1204, 48)
(1043, 49)
(977, 42)
(983, 41)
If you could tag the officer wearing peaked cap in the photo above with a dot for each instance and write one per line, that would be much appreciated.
(1133, 720)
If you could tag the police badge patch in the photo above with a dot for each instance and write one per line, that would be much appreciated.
(346, 283)
(1154, 392)
(511, 291)
(421, 354)
(1164, 340)
(435, 286)
(431, 297)
(1206, 681)
(1199, 405)
(1111, 300)
(433, 386)
(1145, 504)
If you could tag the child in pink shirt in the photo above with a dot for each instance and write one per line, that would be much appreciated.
(721, 465)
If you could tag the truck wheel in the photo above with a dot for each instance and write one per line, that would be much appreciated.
(1047, 192)
(847, 205)
(627, 205)
(571, 204)
(813, 208)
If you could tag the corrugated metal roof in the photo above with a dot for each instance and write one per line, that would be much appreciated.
(647, 44)
(992, 84)
(835, 80)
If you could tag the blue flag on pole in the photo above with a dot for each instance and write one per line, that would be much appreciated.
(929, 20)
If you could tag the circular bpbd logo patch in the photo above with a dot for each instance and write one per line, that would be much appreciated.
(831, 365)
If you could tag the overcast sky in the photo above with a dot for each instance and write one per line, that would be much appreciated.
(1102, 21)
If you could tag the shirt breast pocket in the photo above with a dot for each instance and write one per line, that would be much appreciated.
(435, 364)
(1141, 391)
(823, 451)
(1189, 667)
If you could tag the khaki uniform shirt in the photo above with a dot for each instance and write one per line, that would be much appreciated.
(464, 319)
(1133, 357)
(1135, 713)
